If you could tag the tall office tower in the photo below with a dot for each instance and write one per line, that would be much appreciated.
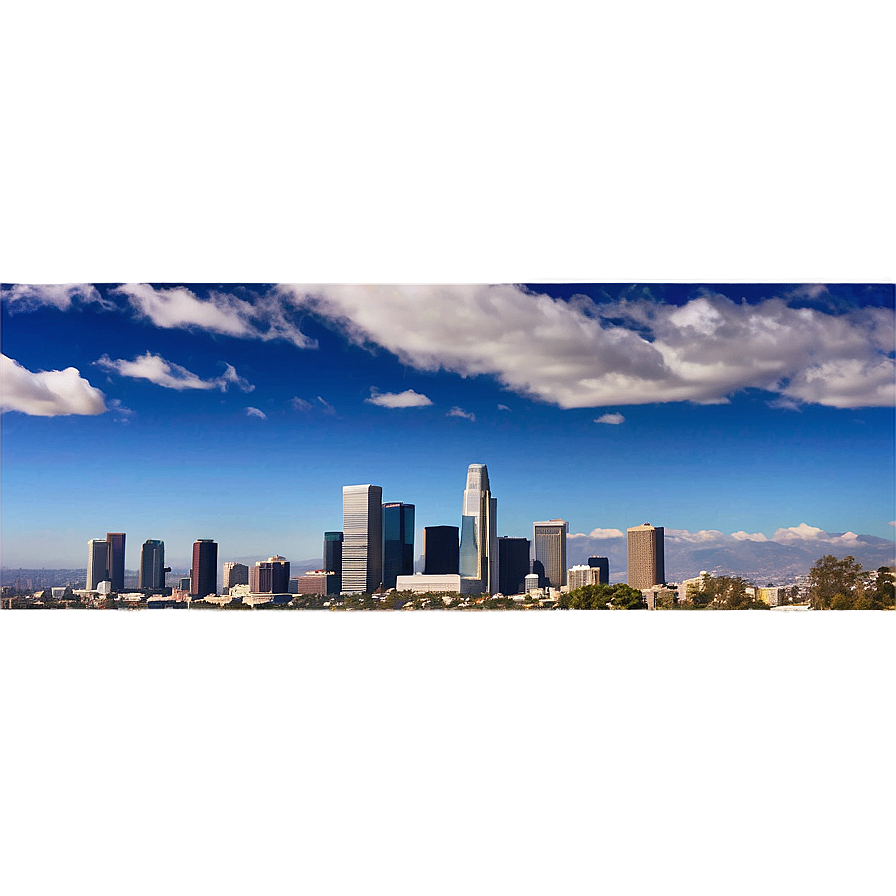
(204, 572)
(362, 546)
(603, 564)
(234, 574)
(537, 568)
(97, 562)
(646, 556)
(115, 541)
(152, 565)
(441, 550)
(549, 539)
(479, 531)
(513, 564)
(333, 561)
(271, 576)
(398, 542)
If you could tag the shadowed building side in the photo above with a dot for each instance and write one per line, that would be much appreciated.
(204, 571)
(441, 551)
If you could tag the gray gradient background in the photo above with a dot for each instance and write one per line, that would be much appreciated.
(472, 144)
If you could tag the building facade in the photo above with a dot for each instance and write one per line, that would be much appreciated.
(271, 576)
(97, 562)
(437, 584)
(441, 550)
(398, 542)
(152, 565)
(549, 544)
(333, 561)
(646, 556)
(603, 565)
(313, 582)
(513, 564)
(479, 531)
(362, 546)
(204, 571)
(234, 574)
(115, 540)
(579, 576)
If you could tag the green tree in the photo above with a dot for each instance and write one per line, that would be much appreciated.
(884, 594)
(841, 601)
(831, 577)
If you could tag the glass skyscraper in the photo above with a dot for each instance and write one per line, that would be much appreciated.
(478, 534)
(204, 572)
(440, 550)
(152, 565)
(549, 541)
(362, 531)
(116, 559)
(513, 564)
(398, 542)
(333, 561)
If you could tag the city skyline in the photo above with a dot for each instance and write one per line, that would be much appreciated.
(761, 410)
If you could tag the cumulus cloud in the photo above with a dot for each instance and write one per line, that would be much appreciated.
(598, 533)
(254, 412)
(299, 404)
(702, 535)
(27, 297)
(630, 351)
(748, 536)
(172, 376)
(48, 393)
(266, 317)
(614, 419)
(812, 534)
(460, 412)
(407, 399)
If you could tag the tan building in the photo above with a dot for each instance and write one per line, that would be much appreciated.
(646, 556)
(579, 576)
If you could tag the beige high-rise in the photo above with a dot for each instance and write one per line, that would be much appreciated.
(646, 556)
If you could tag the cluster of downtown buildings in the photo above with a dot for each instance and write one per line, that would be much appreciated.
(374, 552)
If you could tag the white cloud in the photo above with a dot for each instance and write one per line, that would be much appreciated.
(328, 408)
(460, 412)
(407, 399)
(583, 354)
(802, 532)
(27, 297)
(702, 535)
(748, 536)
(299, 404)
(254, 412)
(599, 533)
(266, 317)
(614, 419)
(48, 393)
(172, 376)
(503, 407)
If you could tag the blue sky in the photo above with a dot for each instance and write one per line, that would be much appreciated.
(239, 412)
(195, 145)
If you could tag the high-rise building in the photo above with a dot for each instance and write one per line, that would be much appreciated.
(646, 556)
(115, 541)
(479, 533)
(549, 542)
(362, 546)
(398, 542)
(97, 562)
(204, 572)
(271, 576)
(513, 564)
(578, 576)
(152, 566)
(234, 574)
(333, 561)
(603, 564)
(441, 550)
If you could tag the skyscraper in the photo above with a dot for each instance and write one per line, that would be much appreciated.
(602, 564)
(362, 547)
(152, 565)
(333, 561)
(549, 540)
(271, 576)
(441, 550)
(204, 572)
(513, 564)
(646, 556)
(234, 574)
(398, 542)
(97, 562)
(478, 534)
(115, 541)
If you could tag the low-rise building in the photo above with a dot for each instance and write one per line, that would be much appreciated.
(439, 584)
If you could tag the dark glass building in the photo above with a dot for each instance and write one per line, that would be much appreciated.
(537, 567)
(513, 564)
(152, 565)
(204, 572)
(603, 564)
(272, 575)
(398, 542)
(441, 550)
(333, 561)
(115, 540)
